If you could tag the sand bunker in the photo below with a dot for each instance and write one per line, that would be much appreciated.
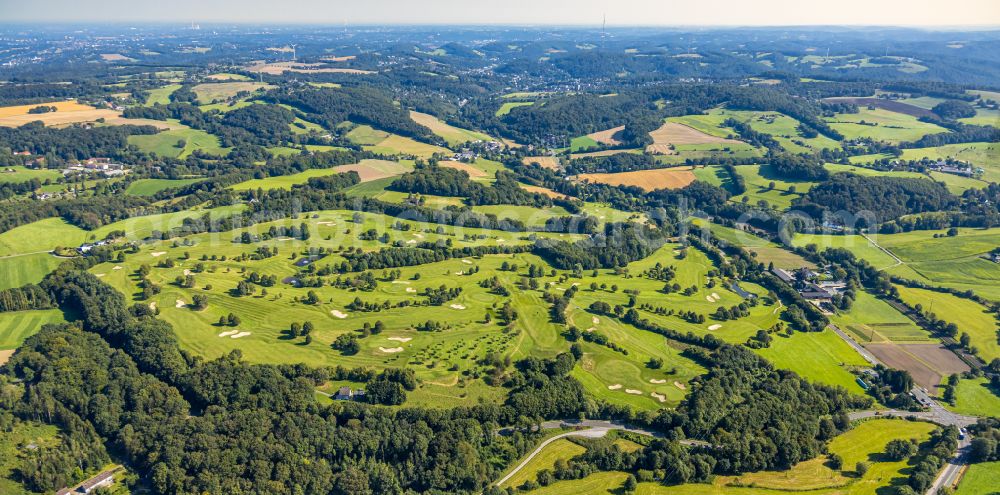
(404, 282)
(411, 241)
(239, 335)
(228, 333)
(158, 254)
(187, 272)
(680, 385)
(467, 262)
(456, 306)
(658, 397)
(709, 299)
(325, 223)
(714, 327)
(152, 306)
(716, 296)
(596, 320)
(411, 289)
(418, 236)
(657, 381)
(117, 267)
(338, 314)
(615, 386)
(179, 304)
(99, 275)
(591, 329)
(391, 350)
(401, 339)
(633, 391)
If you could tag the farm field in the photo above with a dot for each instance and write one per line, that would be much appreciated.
(882, 124)
(507, 106)
(378, 141)
(664, 178)
(985, 155)
(68, 112)
(975, 397)
(982, 478)
(212, 92)
(968, 315)
(19, 325)
(758, 179)
(228, 76)
(26, 269)
(861, 247)
(821, 357)
(149, 187)
(549, 162)
(161, 95)
(560, 449)
(862, 443)
(367, 169)
(165, 143)
(872, 320)
(481, 169)
(278, 68)
(927, 363)
(767, 251)
(455, 136)
(18, 174)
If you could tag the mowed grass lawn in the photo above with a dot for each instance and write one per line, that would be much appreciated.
(165, 143)
(975, 397)
(865, 442)
(26, 269)
(968, 315)
(821, 357)
(507, 106)
(980, 479)
(149, 187)
(18, 325)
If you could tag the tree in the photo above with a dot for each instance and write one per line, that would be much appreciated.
(233, 320)
(630, 484)
(861, 468)
(899, 449)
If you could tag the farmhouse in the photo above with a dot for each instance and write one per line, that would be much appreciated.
(345, 393)
(101, 480)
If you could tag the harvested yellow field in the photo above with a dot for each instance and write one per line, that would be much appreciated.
(543, 190)
(453, 135)
(473, 172)
(549, 162)
(664, 178)
(574, 156)
(334, 58)
(370, 170)
(672, 133)
(209, 92)
(278, 68)
(116, 57)
(67, 112)
(607, 136)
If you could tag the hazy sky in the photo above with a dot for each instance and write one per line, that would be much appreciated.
(619, 12)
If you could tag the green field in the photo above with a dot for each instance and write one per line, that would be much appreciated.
(546, 459)
(975, 397)
(856, 244)
(765, 250)
(17, 174)
(985, 155)
(41, 236)
(821, 357)
(19, 325)
(165, 143)
(968, 315)
(871, 319)
(582, 143)
(287, 181)
(26, 269)
(863, 443)
(161, 95)
(758, 180)
(455, 136)
(149, 187)
(881, 124)
(782, 127)
(219, 91)
(980, 479)
(510, 105)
